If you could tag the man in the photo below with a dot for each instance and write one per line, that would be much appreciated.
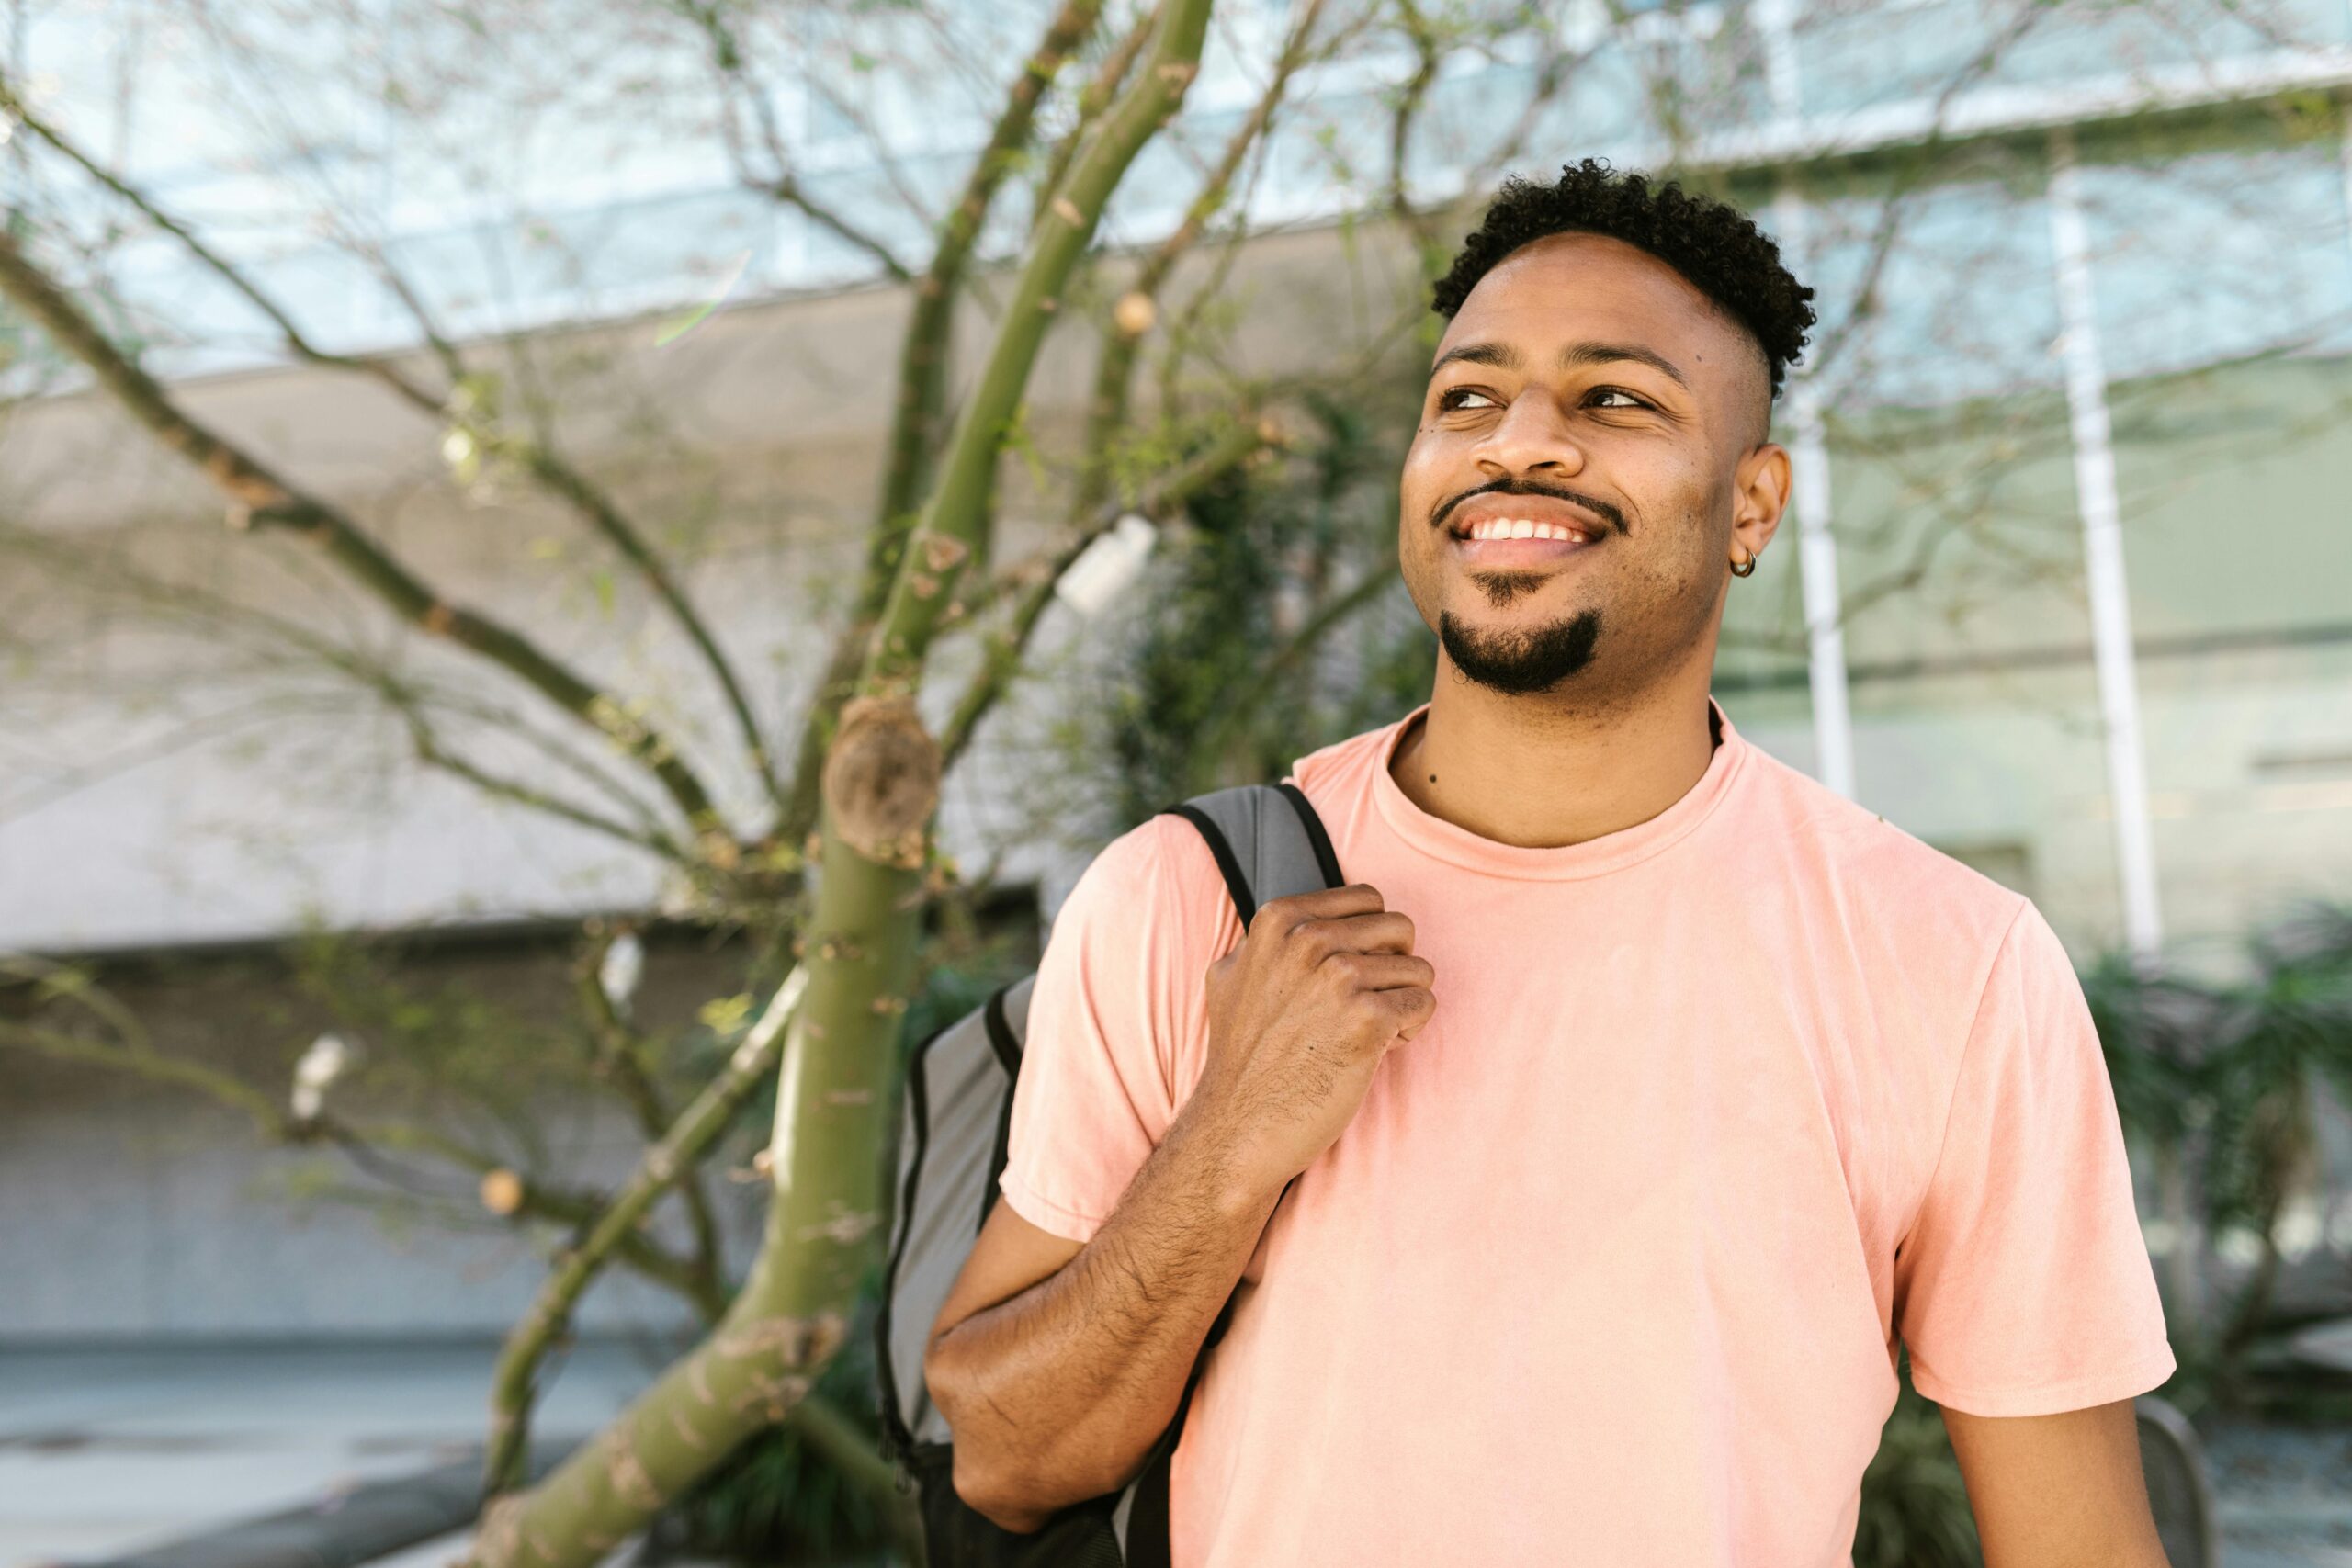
(1641, 1091)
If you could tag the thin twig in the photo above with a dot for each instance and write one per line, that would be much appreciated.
(258, 498)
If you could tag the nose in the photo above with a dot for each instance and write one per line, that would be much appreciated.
(1531, 438)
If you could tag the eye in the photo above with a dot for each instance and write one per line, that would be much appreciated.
(1621, 392)
(1446, 399)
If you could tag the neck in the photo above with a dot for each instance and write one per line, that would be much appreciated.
(1541, 773)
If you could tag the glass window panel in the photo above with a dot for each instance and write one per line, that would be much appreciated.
(1965, 303)
(2217, 254)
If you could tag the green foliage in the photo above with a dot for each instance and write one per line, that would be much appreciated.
(1250, 646)
(2221, 1072)
(440, 1047)
(1207, 632)
(2291, 1020)
(2234, 1058)
(2156, 1033)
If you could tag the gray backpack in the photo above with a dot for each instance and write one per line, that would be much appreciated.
(1269, 844)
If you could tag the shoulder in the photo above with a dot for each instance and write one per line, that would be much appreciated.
(1870, 882)
(1157, 884)
(1334, 769)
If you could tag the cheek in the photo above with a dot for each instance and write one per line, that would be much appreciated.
(1419, 489)
(1679, 540)
(1416, 483)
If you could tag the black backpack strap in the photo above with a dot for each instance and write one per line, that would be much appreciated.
(1327, 860)
(1237, 882)
(1008, 1056)
(1267, 842)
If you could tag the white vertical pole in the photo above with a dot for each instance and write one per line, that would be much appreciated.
(2343, 108)
(2118, 694)
(1825, 634)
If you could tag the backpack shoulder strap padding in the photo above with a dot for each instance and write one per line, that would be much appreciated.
(1267, 840)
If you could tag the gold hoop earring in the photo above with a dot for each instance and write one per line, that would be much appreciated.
(1744, 569)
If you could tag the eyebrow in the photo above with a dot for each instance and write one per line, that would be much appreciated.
(1503, 356)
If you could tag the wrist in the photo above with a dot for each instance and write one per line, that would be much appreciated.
(1241, 1188)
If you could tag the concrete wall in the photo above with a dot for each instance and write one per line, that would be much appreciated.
(140, 1211)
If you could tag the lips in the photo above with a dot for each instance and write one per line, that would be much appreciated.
(1510, 532)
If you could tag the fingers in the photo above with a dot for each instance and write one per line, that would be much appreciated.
(1385, 971)
(1339, 919)
(1326, 903)
(1389, 932)
(1405, 1009)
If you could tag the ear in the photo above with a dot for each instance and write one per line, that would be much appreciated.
(1759, 494)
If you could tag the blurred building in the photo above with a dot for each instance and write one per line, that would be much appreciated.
(2112, 311)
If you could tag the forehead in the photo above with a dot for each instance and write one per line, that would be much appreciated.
(1579, 288)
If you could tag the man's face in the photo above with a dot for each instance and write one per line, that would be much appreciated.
(1585, 388)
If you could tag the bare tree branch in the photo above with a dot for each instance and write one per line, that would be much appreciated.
(1378, 579)
(1428, 52)
(1107, 407)
(112, 573)
(536, 456)
(621, 1058)
(13, 105)
(430, 751)
(780, 181)
(259, 498)
(948, 532)
(146, 1062)
(1911, 172)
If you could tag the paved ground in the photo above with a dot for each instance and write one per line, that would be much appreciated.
(2285, 1492)
(101, 1452)
(104, 1452)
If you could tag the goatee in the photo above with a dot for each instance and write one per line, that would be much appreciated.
(1523, 662)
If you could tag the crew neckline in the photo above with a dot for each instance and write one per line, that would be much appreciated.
(1449, 841)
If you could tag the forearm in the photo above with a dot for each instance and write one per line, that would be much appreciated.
(1057, 1393)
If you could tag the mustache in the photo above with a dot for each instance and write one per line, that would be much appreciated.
(1598, 508)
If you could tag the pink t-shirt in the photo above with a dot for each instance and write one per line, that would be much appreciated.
(1610, 1263)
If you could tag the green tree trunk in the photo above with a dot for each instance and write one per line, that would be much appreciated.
(880, 790)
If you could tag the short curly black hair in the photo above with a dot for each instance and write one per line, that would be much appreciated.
(1718, 248)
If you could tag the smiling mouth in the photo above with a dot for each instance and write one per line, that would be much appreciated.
(1518, 542)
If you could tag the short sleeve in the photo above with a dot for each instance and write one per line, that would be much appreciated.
(1117, 1024)
(2023, 1285)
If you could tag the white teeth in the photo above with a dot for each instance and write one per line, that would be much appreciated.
(1524, 528)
